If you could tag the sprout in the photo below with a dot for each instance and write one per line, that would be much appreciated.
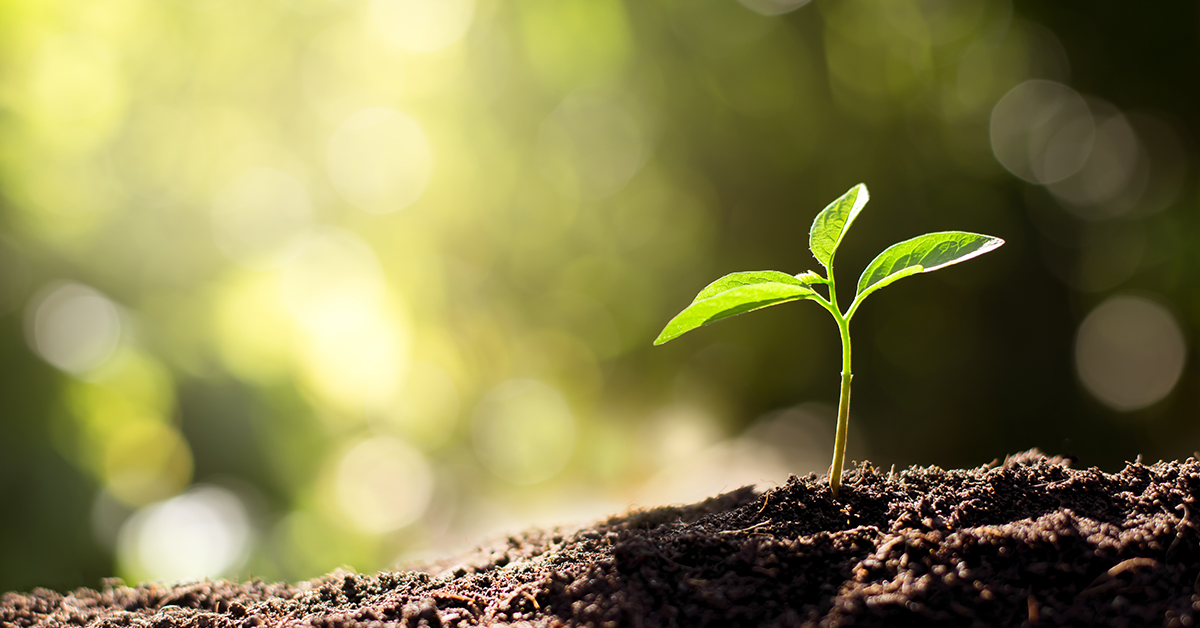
(738, 293)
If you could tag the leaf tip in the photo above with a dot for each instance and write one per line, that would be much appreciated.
(671, 331)
(991, 244)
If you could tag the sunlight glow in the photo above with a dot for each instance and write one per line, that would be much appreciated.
(590, 146)
(259, 216)
(253, 329)
(334, 283)
(427, 407)
(356, 369)
(524, 432)
(353, 350)
(204, 533)
(383, 484)
(379, 160)
(792, 440)
(76, 92)
(421, 25)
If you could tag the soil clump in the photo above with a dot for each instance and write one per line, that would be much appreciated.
(1026, 542)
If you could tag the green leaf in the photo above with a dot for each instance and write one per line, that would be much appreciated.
(831, 225)
(734, 294)
(922, 254)
(733, 280)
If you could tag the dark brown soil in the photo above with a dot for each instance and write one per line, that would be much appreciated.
(1029, 542)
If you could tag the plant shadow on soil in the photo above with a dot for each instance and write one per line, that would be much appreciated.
(1026, 542)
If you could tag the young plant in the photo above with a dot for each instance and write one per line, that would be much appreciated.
(738, 293)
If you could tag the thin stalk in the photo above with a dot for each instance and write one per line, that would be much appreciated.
(843, 421)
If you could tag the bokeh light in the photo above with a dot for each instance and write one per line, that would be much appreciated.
(427, 408)
(1130, 352)
(73, 327)
(783, 442)
(352, 350)
(258, 217)
(1042, 131)
(680, 431)
(574, 42)
(379, 160)
(393, 266)
(1107, 184)
(422, 25)
(204, 533)
(382, 484)
(252, 327)
(76, 90)
(146, 460)
(590, 146)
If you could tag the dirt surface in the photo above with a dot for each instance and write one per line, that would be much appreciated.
(1028, 542)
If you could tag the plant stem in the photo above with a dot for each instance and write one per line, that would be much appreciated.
(843, 421)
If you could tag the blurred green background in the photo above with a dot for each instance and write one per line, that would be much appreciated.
(293, 284)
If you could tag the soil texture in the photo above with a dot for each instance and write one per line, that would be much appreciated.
(1026, 542)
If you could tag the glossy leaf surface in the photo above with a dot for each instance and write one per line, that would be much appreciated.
(923, 254)
(831, 225)
(747, 278)
(734, 294)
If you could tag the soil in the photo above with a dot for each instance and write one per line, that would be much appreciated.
(1026, 542)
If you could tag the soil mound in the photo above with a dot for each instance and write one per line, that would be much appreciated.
(1029, 542)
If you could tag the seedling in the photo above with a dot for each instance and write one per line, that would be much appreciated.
(738, 293)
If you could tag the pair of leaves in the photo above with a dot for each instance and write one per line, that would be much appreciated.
(738, 293)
